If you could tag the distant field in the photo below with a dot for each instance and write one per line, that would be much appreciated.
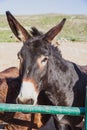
(75, 28)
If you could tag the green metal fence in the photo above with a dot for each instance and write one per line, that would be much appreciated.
(76, 111)
(42, 109)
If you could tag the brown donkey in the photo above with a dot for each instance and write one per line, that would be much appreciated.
(9, 89)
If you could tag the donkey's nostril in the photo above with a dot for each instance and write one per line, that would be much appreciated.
(26, 101)
(30, 101)
(18, 101)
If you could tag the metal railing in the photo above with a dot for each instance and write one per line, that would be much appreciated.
(76, 111)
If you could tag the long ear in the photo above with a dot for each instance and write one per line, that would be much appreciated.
(49, 36)
(18, 30)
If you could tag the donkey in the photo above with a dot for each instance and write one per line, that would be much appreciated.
(9, 89)
(11, 72)
(44, 70)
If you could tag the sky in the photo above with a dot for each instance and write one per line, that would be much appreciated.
(25, 7)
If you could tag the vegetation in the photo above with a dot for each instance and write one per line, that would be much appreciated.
(75, 28)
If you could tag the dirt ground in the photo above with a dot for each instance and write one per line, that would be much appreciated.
(76, 52)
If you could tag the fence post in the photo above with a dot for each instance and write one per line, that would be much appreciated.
(86, 110)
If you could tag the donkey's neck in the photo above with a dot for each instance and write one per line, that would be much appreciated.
(61, 79)
(60, 70)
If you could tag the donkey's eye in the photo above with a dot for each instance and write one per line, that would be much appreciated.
(44, 60)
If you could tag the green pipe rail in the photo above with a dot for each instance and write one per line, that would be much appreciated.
(77, 111)
(74, 111)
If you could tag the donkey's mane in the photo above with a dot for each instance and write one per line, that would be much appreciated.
(35, 32)
(56, 50)
(57, 56)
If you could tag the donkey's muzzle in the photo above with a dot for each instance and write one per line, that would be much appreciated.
(28, 93)
(29, 101)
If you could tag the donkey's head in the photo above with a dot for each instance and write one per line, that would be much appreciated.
(34, 57)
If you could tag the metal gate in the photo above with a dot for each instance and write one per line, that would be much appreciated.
(76, 111)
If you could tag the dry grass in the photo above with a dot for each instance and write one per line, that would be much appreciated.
(75, 28)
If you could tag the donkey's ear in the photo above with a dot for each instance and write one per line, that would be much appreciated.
(49, 36)
(19, 31)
